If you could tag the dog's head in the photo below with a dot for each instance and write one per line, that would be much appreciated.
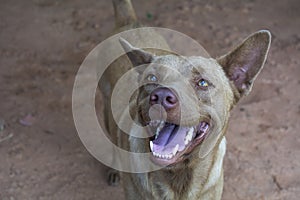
(185, 101)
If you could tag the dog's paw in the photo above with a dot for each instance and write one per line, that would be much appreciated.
(113, 177)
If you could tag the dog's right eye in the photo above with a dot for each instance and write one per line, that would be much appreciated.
(151, 78)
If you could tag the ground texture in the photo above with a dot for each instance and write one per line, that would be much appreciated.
(42, 44)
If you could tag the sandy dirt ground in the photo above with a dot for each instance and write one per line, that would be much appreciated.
(42, 44)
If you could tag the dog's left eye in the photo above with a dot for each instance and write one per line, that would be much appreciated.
(203, 83)
(152, 78)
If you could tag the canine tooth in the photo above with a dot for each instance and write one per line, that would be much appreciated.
(190, 133)
(157, 133)
(189, 136)
(161, 125)
(175, 149)
(186, 142)
(157, 122)
(151, 145)
(191, 130)
(205, 127)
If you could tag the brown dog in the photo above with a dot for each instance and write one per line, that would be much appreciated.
(190, 141)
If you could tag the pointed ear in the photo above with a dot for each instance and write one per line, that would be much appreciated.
(243, 64)
(137, 56)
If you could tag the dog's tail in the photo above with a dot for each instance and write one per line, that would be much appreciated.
(124, 13)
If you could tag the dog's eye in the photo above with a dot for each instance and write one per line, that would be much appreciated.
(151, 78)
(203, 83)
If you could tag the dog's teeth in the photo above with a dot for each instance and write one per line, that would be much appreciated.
(205, 127)
(175, 149)
(157, 133)
(157, 122)
(151, 145)
(186, 141)
(202, 124)
(160, 126)
(163, 156)
(189, 136)
(191, 131)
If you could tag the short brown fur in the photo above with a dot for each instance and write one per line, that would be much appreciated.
(198, 175)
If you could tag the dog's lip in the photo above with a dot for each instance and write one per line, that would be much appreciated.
(188, 148)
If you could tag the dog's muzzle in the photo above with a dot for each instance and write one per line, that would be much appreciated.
(170, 141)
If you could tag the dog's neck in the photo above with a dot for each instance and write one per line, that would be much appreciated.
(207, 174)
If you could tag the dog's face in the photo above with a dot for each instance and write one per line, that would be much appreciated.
(184, 102)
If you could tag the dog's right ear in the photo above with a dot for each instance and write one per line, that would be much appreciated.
(137, 56)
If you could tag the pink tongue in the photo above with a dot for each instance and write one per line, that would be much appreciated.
(168, 138)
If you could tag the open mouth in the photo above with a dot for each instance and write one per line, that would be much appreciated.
(171, 142)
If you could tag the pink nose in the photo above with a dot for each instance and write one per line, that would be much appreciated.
(165, 97)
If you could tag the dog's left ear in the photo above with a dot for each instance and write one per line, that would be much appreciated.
(243, 64)
(137, 56)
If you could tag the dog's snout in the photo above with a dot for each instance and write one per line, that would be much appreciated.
(165, 97)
